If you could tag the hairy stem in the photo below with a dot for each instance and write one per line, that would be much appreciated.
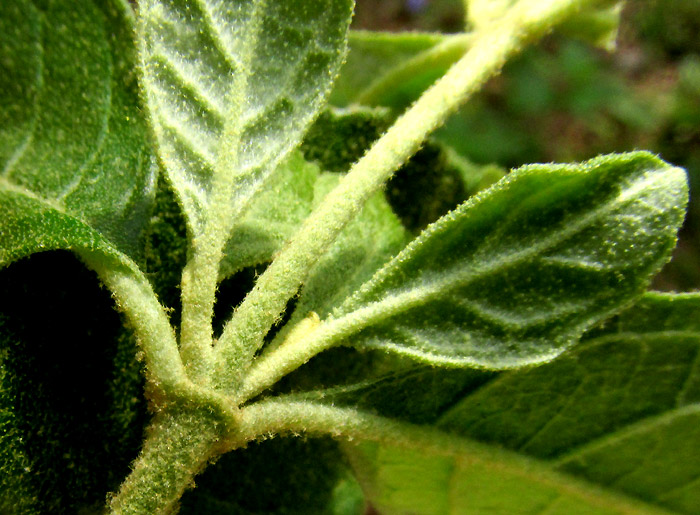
(357, 427)
(436, 59)
(178, 446)
(491, 47)
(136, 299)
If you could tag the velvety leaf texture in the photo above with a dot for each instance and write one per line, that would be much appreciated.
(73, 146)
(620, 411)
(71, 393)
(76, 173)
(516, 274)
(370, 240)
(459, 477)
(231, 87)
(287, 476)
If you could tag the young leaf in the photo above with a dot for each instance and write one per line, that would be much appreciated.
(519, 272)
(368, 242)
(394, 69)
(231, 87)
(73, 146)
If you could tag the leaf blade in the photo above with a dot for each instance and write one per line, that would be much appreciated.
(84, 150)
(508, 277)
(231, 87)
(457, 476)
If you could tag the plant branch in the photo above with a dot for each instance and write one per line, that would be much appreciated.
(491, 47)
(177, 447)
(439, 57)
(136, 299)
(149, 321)
(297, 417)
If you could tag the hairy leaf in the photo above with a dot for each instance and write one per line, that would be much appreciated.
(231, 87)
(368, 242)
(272, 217)
(519, 272)
(435, 181)
(73, 145)
(620, 410)
(393, 69)
(339, 137)
(71, 393)
(455, 476)
(285, 476)
(76, 174)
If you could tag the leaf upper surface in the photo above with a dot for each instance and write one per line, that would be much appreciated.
(516, 274)
(73, 141)
(620, 411)
(457, 476)
(231, 87)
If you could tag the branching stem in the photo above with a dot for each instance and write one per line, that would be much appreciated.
(490, 49)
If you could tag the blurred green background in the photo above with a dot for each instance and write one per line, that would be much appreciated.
(565, 100)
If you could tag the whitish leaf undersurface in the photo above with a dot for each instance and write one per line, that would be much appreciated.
(75, 168)
(620, 411)
(517, 273)
(231, 87)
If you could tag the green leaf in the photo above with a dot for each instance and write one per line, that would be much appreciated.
(516, 274)
(371, 54)
(435, 181)
(72, 410)
(340, 137)
(620, 411)
(283, 476)
(76, 168)
(231, 87)
(272, 217)
(76, 173)
(598, 27)
(369, 241)
(457, 476)
(392, 70)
